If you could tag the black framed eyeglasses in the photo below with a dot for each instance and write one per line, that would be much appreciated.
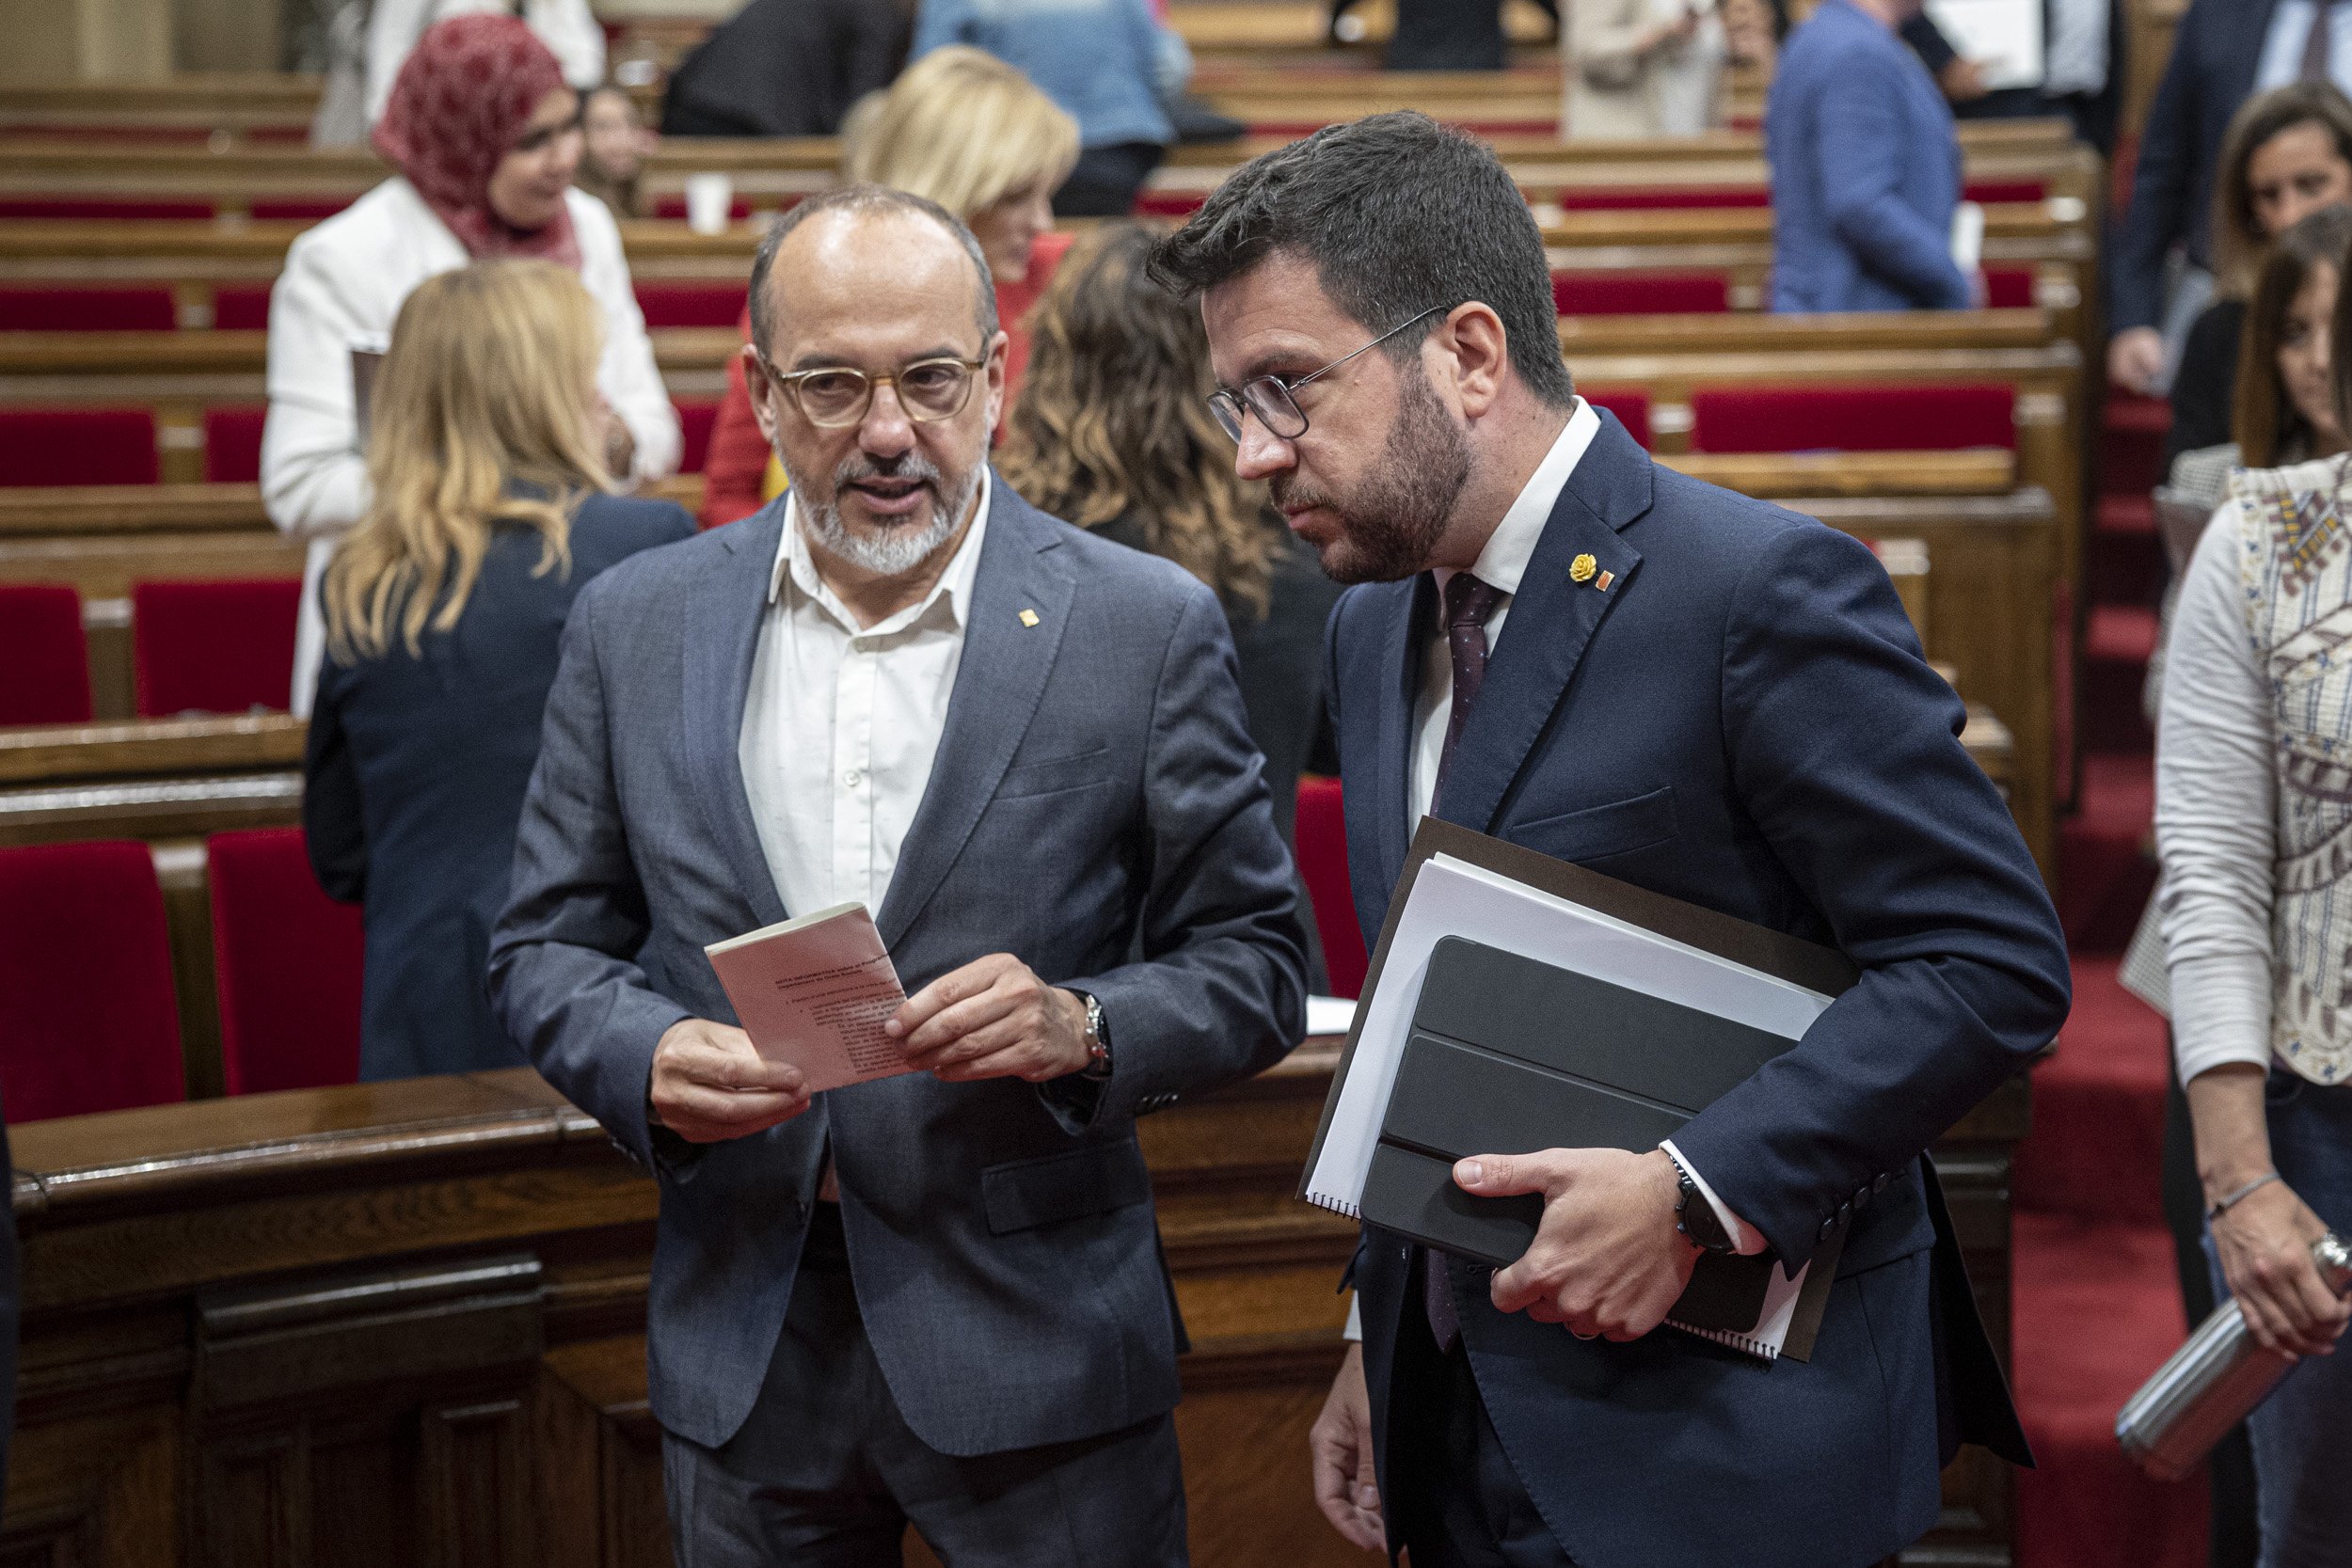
(1269, 396)
(836, 396)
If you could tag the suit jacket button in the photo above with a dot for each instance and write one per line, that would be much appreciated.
(1879, 1185)
(1829, 1227)
(1845, 1212)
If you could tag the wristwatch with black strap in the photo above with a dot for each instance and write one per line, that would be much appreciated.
(1098, 1039)
(1694, 1217)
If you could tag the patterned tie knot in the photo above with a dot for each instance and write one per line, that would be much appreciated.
(1469, 602)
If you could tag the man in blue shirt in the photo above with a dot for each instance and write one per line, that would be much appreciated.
(1865, 168)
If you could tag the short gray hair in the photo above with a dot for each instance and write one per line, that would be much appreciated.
(866, 198)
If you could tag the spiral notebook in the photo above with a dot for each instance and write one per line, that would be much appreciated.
(1519, 1003)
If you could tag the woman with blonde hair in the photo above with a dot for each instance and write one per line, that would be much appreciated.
(487, 513)
(1113, 432)
(969, 132)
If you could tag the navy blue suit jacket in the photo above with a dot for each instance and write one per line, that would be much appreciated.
(417, 769)
(1865, 172)
(1742, 718)
(2210, 74)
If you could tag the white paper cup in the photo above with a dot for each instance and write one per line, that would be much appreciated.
(709, 197)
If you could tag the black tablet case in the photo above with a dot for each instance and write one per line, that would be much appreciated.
(1509, 1055)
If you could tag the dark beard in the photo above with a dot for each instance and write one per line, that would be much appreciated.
(1391, 523)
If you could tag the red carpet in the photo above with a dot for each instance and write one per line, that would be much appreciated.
(2097, 1302)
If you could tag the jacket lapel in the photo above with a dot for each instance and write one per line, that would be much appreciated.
(1551, 620)
(1409, 611)
(718, 680)
(999, 682)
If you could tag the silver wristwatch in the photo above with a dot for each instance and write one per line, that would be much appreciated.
(1098, 1039)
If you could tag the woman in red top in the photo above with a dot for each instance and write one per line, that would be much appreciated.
(972, 134)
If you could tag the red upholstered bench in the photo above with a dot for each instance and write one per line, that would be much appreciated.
(312, 211)
(2008, 288)
(691, 304)
(1648, 199)
(1995, 191)
(1322, 836)
(91, 1023)
(694, 420)
(77, 446)
(287, 959)
(240, 307)
(232, 443)
(1630, 406)
(674, 208)
(45, 655)
(97, 207)
(1853, 418)
(213, 647)
(78, 309)
(1654, 294)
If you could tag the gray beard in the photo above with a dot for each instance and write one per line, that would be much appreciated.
(899, 549)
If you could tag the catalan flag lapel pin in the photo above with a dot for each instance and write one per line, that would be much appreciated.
(1028, 617)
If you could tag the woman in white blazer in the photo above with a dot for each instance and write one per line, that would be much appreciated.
(1641, 68)
(487, 136)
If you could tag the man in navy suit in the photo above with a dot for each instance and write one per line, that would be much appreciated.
(2223, 53)
(1561, 645)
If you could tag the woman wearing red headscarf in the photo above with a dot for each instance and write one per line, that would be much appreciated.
(485, 136)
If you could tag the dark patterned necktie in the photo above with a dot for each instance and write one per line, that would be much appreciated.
(2317, 44)
(1468, 604)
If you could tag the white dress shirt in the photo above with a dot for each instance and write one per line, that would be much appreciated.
(342, 287)
(841, 723)
(2281, 59)
(2217, 812)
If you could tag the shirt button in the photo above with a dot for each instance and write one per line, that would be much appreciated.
(854, 778)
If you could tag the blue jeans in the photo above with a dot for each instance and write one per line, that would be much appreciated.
(2303, 1431)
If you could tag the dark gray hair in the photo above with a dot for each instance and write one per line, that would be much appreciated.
(866, 198)
(1397, 214)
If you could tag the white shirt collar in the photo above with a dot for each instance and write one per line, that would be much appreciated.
(1512, 545)
(954, 587)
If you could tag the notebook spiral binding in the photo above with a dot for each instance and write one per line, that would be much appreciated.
(1757, 1348)
(1337, 1205)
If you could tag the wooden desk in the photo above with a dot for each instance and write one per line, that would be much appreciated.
(403, 1323)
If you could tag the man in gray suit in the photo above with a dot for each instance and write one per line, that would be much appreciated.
(937, 1297)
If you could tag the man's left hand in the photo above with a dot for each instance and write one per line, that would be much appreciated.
(1606, 1259)
(993, 1017)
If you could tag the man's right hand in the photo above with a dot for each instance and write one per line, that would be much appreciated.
(1346, 1488)
(709, 1083)
(2135, 359)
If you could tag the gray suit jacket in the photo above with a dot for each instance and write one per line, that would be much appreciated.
(1096, 809)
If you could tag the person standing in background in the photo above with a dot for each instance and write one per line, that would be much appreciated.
(486, 137)
(1640, 68)
(613, 150)
(2288, 155)
(1101, 61)
(785, 68)
(965, 130)
(1865, 168)
(487, 513)
(2223, 53)
(568, 27)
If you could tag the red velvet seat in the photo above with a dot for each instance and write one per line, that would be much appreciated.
(240, 307)
(287, 959)
(1853, 418)
(77, 207)
(1322, 837)
(91, 1023)
(1991, 191)
(674, 208)
(213, 647)
(45, 655)
(1654, 294)
(2008, 288)
(77, 446)
(232, 444)
(1648, 199)
(1631, 405)
(694, 420)
(314, 210)
(691, 304)
(70, 310)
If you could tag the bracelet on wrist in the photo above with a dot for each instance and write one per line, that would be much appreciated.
(2225, 1204)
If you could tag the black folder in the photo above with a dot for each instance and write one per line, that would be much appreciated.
(1509, 1055)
